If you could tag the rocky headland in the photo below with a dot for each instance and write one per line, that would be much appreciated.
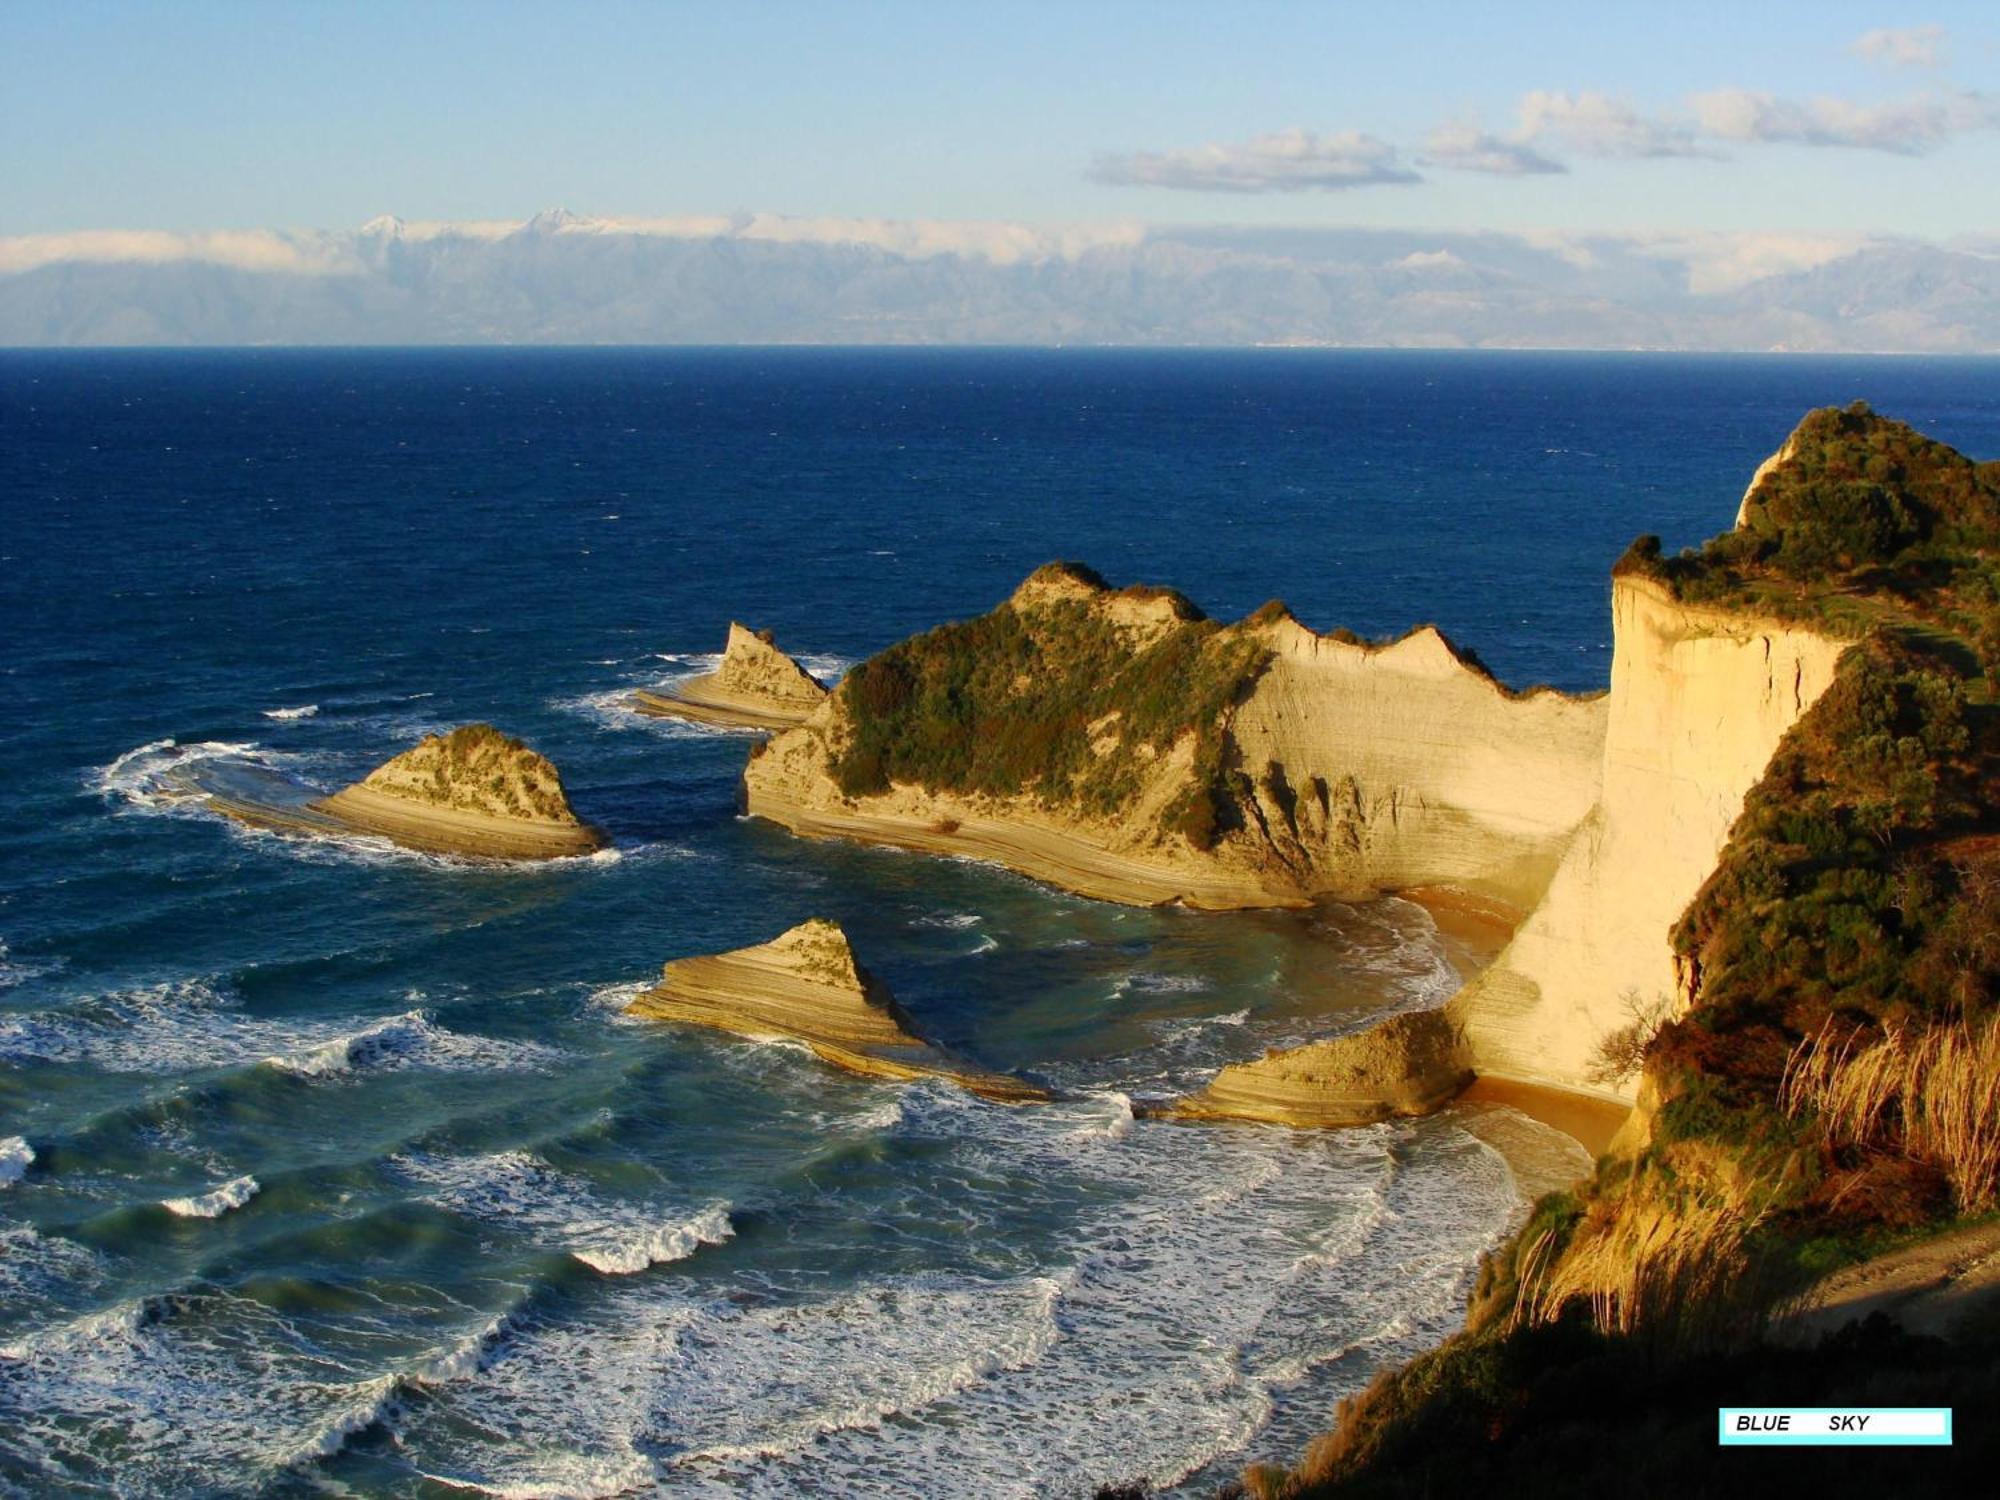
(473, 792)
(756, 686)
(806, 986)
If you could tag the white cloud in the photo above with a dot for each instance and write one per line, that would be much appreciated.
(1727, 262)
(1285, 161)
(321, 254)
(1906, 127)
(1603, 125)
(1466, 148)
(244, 250)
(1901, 46)
(1429, 260)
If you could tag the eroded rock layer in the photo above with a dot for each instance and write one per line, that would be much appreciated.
(1165, 758)
(756, 686)
(805, 985)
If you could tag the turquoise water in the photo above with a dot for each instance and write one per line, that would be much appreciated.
(328, 1167)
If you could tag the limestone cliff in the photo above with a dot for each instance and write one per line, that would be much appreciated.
(472, 791)
(756, 686)
(1699, 700)
(806, 985)
(1118, 743)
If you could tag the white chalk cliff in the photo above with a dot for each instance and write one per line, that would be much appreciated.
(1361, 768)
(1699, 700)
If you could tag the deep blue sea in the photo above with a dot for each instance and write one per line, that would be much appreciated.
(326, 1168)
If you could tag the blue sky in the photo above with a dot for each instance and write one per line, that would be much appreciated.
(1691, 116)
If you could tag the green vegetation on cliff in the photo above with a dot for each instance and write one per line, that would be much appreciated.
(1830, 1087)
(1866, 526)
(1068, 691)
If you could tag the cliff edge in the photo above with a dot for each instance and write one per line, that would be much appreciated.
(756, 686)
(1119, 743)
(806, 985)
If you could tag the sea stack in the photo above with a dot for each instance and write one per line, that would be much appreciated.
(757, 686)
(473, 791)
(805, 985)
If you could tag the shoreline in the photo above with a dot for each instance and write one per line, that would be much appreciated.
(1590, 1121)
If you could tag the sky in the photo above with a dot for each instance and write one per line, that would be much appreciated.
(1757, 115)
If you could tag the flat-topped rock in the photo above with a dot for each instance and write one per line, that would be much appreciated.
(806, 985)
(757, 686)
(1406, 1065)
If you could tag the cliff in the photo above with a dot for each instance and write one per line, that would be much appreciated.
(1700, 698)
(756, 686)
(1120, 744)
(1822, 684)
(473, 791)
(806, 985)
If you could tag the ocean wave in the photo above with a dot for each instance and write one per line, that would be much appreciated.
(519, 1187)
(303, 711)
(194, 1025)
(621, 1250)
(703, 1384)
(220, 1386)
(14, 971)
(957, 920)
(139, 779)
(16, 1156)
(216, 1202)
(412, 1040)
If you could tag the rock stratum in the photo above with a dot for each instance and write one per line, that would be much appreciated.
(473, 792)
(806, 986)
(756, 686)
(1120, 744)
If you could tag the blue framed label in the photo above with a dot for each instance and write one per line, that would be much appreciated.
(1835, 1426)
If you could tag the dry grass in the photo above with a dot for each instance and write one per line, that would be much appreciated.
(1928, 1092)
(1669, 1257)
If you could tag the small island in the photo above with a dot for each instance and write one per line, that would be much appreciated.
(474, 792)
(756, 686)
(805, 985)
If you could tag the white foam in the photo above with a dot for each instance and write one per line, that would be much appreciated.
(216, 1202)
(411, 1039)
(13, 971)
(303, 711)
(16, 1156)
(958, 920)
(622, 1249)
(1211, 1282)
(187, 1391)
(615, 1238)
(138, 779)
(986, 944)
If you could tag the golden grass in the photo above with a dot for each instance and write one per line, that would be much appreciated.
(1669, 1256)
(1929, 1092)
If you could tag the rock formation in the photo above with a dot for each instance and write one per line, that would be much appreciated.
(1258, 764)
(474, 791)
(1406, 1065)
(805, 985)
(756, 686)
(1327, 767)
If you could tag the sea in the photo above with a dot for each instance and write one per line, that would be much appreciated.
(331, 1169)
